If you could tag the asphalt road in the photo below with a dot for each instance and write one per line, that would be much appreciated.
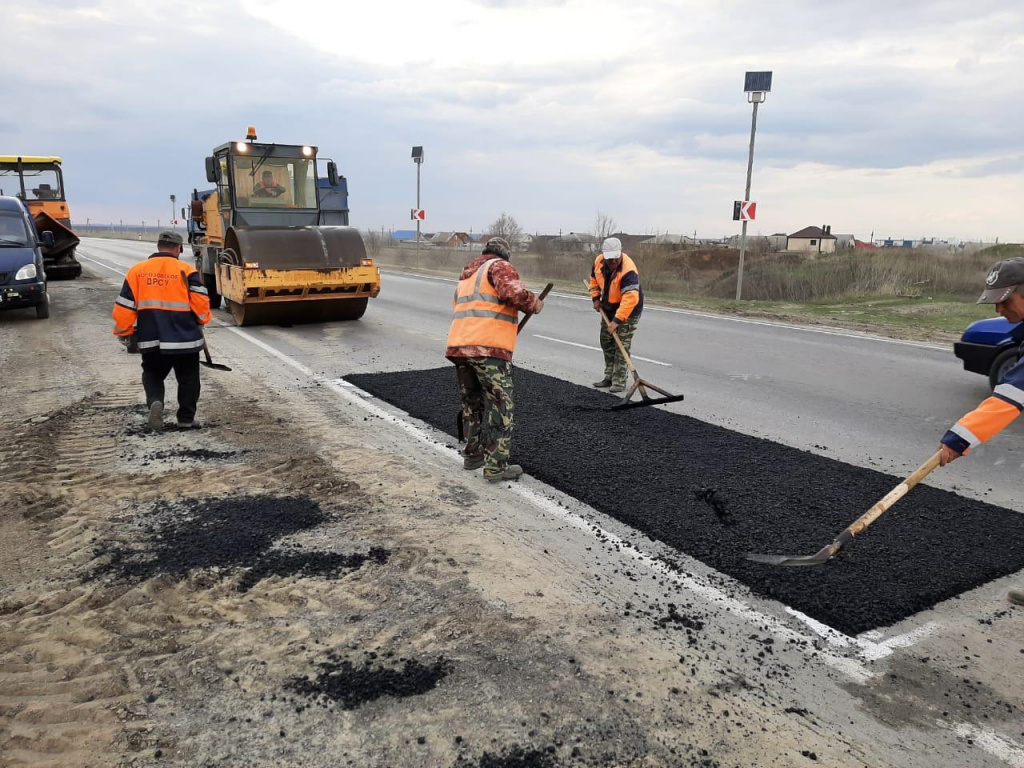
(867, 401)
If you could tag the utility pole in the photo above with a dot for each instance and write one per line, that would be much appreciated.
(756, 86)
(172, 212)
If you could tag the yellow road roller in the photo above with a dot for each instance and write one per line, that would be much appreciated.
(262, 241)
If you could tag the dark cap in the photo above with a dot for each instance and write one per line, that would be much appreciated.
(169, 238)
(499, 247)
(1002, 280)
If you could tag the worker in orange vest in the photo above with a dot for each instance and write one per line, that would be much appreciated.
(161, 311)
(481, 341)
(1004, 287)
(615, 289)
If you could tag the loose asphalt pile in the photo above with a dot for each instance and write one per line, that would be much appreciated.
(351, 684)
(238, 534)
(716, 495)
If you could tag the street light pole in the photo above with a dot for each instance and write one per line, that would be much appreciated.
(756, 85)
(172, 212)
(417, 157)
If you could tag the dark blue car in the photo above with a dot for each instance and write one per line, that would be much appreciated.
(990, 347)
(22, 279)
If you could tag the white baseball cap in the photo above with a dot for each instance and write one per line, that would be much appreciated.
(611, 248)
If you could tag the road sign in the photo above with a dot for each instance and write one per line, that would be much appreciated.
(418, 214)
(743, 210)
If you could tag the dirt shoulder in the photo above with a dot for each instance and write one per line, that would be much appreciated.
(294, 585)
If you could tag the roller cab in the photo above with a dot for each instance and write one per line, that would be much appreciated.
(260, 240)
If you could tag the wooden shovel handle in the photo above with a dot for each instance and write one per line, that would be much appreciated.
(897, 493)
(543, 295)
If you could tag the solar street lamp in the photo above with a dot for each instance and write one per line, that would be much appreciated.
(756, 85)
(417, 157)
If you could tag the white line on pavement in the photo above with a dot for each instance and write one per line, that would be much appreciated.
(992, 742)
(598, 349)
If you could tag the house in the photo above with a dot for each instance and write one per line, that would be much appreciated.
(408, 236)
(812, 240)
(575, 243)
(844, 242)
(860, 245)
(451, 239)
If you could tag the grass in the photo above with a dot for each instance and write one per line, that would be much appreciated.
(921, 295)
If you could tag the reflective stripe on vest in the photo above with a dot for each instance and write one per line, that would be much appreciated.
(481, 320)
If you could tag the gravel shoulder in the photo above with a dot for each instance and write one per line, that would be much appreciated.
(297, 584)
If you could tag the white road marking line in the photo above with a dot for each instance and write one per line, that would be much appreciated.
(597, 349)
(713, 316)
(101, 264)
(995, 744)
(870, 650)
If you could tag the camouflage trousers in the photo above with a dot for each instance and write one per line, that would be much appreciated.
(485, 385)
(614, 365)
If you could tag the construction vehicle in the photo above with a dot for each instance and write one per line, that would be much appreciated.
(268, 237)
(39, 183)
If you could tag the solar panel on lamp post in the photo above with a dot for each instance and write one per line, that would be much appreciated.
(756, 85)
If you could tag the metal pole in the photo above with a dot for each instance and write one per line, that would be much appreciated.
(746, 196)
(418, 164)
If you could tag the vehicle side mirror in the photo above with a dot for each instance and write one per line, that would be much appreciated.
(212, 170)
(48, 239)
(332, 173)
(183, 214)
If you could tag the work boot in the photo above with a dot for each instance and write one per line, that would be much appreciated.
(156, 416)
(1016, 596)
(617, 388)
(603, 383)
(188, 425)
(511, 472)
(472, 462)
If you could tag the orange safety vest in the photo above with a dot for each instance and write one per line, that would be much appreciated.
(481, 320)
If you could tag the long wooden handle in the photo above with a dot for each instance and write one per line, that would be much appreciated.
(897, 493)
(543, 295)
(614, 335)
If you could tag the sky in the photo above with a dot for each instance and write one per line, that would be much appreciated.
(900, 119)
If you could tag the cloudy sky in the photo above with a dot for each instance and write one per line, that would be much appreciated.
(901, 117)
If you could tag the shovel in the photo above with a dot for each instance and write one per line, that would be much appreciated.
(857, 527)
(209, 363)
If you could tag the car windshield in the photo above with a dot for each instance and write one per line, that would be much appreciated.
(41, 182)
(277, 182)
(12, 230)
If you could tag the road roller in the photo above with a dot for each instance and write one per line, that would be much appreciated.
(268, 248)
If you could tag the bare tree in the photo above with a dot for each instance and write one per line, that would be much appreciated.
(507, 227)
(604, 226)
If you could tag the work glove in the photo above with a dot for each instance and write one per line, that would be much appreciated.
(597, 306)
(540, 305)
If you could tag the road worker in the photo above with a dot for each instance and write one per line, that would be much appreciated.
(615, 288)
(1005, 289)
(481, 341)
(162, 309)
(268, 187)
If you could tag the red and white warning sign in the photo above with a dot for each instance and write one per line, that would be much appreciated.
(748, 210)
(418, 214)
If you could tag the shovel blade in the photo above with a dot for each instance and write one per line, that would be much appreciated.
(215, 366)
(820, 558)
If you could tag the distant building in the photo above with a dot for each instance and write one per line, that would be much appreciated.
(860, 245)
(451, 239)
(408, 236)
(812, 240)
(844, 242)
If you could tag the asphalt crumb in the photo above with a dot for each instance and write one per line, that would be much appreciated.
(351, 684)
(511, 757)
(236, 534)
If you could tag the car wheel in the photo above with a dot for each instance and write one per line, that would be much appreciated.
(43, 308)
(1003, 362)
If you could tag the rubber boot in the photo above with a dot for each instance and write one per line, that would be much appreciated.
(511, 472)
(156, 416)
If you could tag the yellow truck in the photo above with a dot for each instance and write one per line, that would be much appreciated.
(261, 243)
(39, 182)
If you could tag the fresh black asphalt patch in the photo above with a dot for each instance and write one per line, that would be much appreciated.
(716, 495)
